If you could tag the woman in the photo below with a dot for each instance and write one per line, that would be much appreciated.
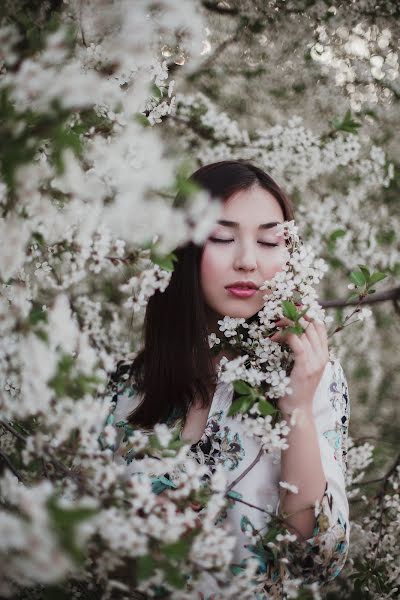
(175, 377)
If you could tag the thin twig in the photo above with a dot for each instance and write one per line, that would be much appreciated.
(217, 52)
(278, 517)
(220, 8)
(13, 431)
(81, 24)
(249, 504)
(45, 469)
(368, 482)
(11, 466)
(116, 259)
(255, 461)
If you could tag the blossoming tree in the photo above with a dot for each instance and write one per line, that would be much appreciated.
(94, 131)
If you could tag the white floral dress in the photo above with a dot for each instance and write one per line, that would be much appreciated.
(317, 559)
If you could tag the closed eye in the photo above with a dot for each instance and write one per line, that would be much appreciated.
(227, 242)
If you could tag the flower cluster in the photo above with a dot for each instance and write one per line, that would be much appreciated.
(348, 52)
(142, 287)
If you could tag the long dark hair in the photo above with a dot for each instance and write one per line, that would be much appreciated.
(175, 363)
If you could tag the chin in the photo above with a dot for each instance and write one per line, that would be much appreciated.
(241, 313)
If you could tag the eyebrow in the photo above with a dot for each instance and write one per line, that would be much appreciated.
(236, 225)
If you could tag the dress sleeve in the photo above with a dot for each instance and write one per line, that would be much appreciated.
(321, 557)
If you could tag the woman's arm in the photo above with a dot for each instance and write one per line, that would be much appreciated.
(321, 557)
(301, 465)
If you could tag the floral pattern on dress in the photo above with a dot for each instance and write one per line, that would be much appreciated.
(339, 398)
(218, 445)
(334, 437)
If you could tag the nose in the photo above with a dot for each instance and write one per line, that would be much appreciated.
(245, 259)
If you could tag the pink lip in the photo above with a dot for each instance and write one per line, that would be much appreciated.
(241, 292)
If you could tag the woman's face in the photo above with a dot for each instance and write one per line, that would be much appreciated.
(247, 252)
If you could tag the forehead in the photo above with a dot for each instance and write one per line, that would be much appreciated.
(252, 206)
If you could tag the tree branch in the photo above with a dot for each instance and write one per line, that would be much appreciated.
(48, 452)
(218, 50)
(11, 429)
(9, 464)
(220, 8)
(393, 294)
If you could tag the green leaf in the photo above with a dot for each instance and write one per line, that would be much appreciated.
(266, 408)
(177, 550)
(155, 91)
(337, 233)
(375, 277)
(145, 567)
(36, 315)
(161, 483)
(154, 442)
(174, 576)
(386, 237)
(235, 495)
(347, 124)
(358, 278)
(165, 262)
(258, 550)
(241, 387)
(270, 535)
(43, 335)
(142, 120)
(241, 404)
(176, 444)
(245, 523)
(184, 188)
(236, 569)
(66, 382)
(296, 329)
(289, 310)
(38, 237)
(64, 522)
(235, 407)
(365, 271)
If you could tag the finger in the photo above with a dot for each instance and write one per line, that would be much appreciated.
(295, 342)
(300, 308)
(307, 346)
(320, 346)
(314, 338)
(321, 328)
(282, 334)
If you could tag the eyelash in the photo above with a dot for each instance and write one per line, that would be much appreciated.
(227, 241)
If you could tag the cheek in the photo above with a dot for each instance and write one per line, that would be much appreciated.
(275, 262)
(212, 265)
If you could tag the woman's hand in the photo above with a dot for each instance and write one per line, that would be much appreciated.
(311, 353)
